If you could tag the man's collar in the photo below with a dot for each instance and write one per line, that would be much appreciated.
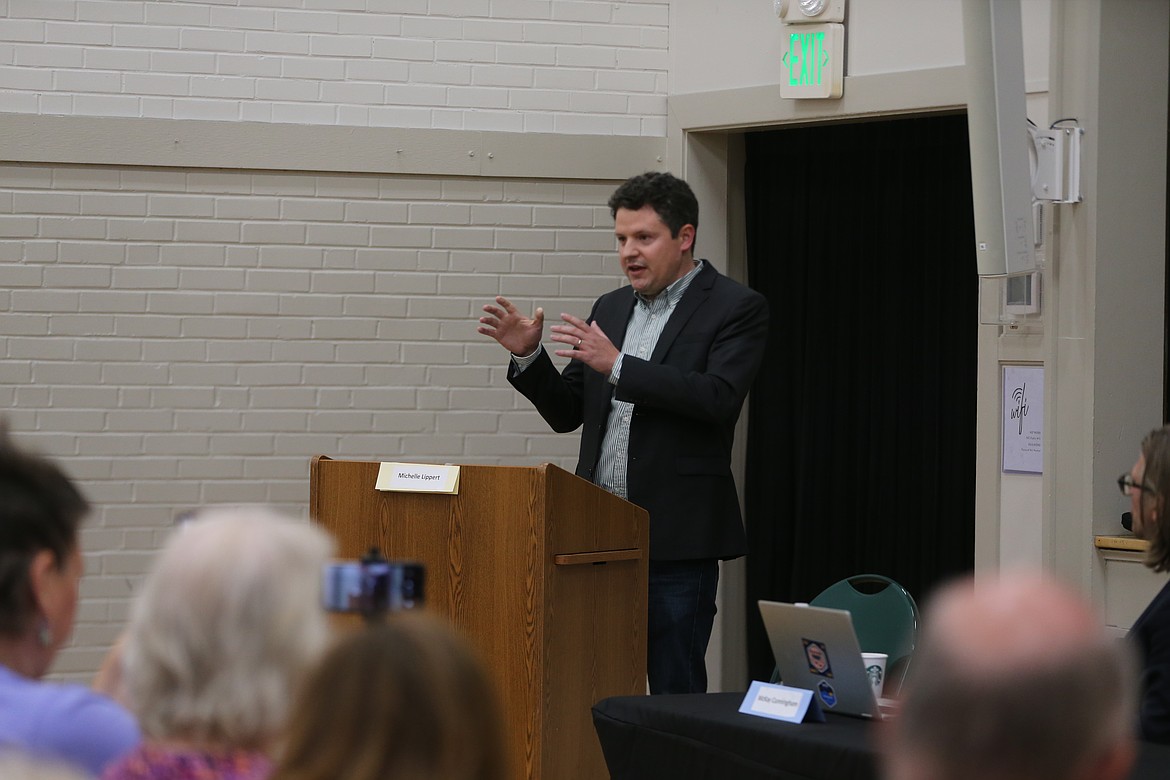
(669, 292)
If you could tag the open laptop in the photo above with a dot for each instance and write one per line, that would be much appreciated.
(816, 649)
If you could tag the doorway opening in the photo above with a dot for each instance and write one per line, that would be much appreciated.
(861, 429)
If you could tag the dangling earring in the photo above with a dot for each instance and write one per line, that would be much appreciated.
(44, 634)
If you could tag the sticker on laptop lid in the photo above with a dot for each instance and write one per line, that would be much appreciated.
(818, 657)
(827, 694)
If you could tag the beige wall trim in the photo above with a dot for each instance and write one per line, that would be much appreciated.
(880, 94)
(262, 146)
(1106, 275)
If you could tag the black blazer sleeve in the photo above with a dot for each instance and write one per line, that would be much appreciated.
(1151, 635)
(558, 397)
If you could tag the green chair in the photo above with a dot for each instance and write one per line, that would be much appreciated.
(885, 619)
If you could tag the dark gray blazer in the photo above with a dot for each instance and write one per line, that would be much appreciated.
(1151, 636)
(687, 398)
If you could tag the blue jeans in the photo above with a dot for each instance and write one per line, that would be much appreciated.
(681, 613)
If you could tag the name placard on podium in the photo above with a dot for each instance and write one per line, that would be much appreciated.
(417, 478)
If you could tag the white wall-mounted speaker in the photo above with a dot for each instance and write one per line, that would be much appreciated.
(997, 125)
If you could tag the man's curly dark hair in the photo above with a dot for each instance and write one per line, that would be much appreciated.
(669, 196)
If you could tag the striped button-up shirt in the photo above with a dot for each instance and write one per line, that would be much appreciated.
(646, 323)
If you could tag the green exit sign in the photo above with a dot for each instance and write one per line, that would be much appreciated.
(812, 60)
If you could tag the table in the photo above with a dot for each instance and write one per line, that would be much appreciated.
(705, 737)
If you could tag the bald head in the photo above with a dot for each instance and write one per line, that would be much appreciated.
(1023, 619)
(1014, 678)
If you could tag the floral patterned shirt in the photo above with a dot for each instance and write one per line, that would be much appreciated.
(155, 762)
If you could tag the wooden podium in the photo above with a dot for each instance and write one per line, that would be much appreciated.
(542, 570)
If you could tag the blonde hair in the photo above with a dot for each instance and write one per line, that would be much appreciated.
(228, 621)
(407, 700)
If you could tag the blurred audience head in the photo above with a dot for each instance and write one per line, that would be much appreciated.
(404, 700)
(1015, 679)
(228, 621)
(40, 558)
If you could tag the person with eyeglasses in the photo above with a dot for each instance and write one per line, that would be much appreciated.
(1147, 485)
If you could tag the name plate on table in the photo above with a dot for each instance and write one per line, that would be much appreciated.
(417, 478)
(779, 702)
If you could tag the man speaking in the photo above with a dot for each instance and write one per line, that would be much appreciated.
(659, 411)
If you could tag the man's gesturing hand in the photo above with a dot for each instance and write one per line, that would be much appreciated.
(516, 333)
(587, 343)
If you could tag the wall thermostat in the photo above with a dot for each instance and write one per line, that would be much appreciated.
(1021, 293)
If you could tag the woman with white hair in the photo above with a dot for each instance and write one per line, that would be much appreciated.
(228, 621)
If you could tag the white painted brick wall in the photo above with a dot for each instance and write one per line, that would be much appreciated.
(179, 338)
(566, 66)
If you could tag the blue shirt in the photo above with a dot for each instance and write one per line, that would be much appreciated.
(66, 722)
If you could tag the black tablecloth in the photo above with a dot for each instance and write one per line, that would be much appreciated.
(705, 737)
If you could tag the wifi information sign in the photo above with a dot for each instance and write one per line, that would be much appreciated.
(812, 61)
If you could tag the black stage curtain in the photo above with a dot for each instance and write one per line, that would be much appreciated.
(861, 436)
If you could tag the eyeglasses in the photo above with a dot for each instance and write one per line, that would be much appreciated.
(1127, 484)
